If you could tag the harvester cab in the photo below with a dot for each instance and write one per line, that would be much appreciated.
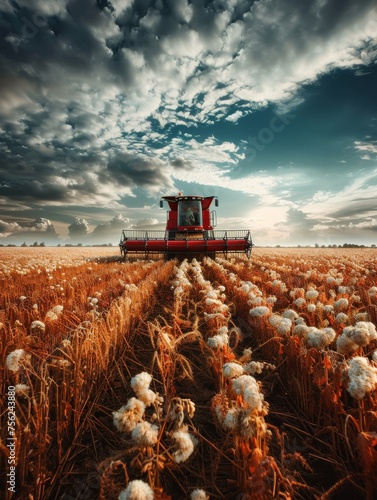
(190, 232)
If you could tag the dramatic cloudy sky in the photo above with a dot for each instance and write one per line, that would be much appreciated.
(107, 105)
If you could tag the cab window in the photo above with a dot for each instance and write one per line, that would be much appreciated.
(190, 213)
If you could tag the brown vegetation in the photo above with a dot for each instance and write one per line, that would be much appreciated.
(219, 379)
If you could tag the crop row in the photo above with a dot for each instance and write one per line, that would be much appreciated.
(202, 379)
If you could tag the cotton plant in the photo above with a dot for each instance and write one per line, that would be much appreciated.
(283, 325)
(37, 327)
(54, 313)
(148, 428)
(241, 408)
(319, 338)
(220, 340)
(17, 359)
(137, 490)
(199, 494)
(362, 377)
(355, 337)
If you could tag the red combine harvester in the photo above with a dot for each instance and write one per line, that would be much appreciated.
(189, 232)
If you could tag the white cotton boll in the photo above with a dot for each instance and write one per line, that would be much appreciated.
(271, 299)
(311, 294)
(275, 320)
(374, 356)
(148, 397)
(258, 312)
(341, 318)
(137, 490)
(37, 327)
(247, 387)
(230, 421)
(128, 416)
(284, 326)
(330, 333)
(185, 443)
(199, 495)
(301, 330)
(341, 304)
(342, 289)
(362, 377)
(251, 296)
(300, 321)
(22, 389)
(212, 302)
(253, 367)
(314, 337)
(359, 336)
(208, 316)
(54, 313)
(290, 314)
(328, 309)
(252, 426)
(300, 302)
(257, 301)
(311, 308)
(367, 325)
(344, 345)
(141, 382)
(361, 316)
(330, 279)
(232, 370)
(246, 355)
(145, 434)
(222, 330)
(218, 341)
(15, 359)
(372, 292)
(320, 338)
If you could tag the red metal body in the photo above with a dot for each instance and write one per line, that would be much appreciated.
(189, 232)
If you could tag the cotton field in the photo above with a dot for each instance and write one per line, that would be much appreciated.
(220, 378)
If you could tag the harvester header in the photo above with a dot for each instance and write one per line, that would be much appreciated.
(190, 232)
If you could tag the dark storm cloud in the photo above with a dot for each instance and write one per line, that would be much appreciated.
(32, 190)
(127, 170)
(357, 207)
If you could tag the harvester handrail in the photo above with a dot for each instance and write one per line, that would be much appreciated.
(142, 234)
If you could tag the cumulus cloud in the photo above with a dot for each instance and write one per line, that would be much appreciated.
(110, 231)
(142, 223)
(78, 229)
(7, 228)
(41, 230)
